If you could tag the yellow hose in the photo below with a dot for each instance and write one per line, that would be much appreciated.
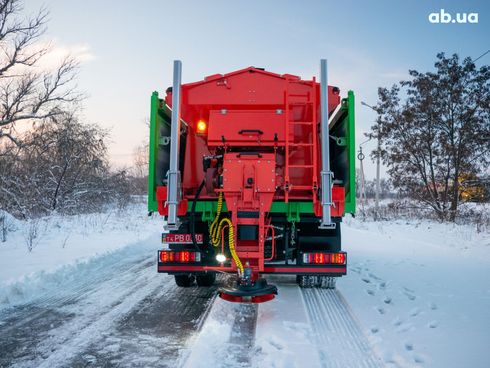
(214, 230)
(231, 242)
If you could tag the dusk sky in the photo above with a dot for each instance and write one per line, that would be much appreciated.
(127, 48)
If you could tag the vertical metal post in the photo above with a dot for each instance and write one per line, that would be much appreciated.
(173, 186)
(326, 174)
(378, 164)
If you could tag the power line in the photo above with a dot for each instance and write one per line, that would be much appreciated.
(482, 55)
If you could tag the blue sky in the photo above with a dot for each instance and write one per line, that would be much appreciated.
(128, 47)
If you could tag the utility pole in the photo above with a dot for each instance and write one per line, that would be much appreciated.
(378, 165)
(362, 195)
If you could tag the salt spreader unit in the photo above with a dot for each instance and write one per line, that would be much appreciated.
(253, 172)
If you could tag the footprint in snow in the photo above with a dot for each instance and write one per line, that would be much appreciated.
(372, 275)
(404, 327)
(366, 280)
(433, 324)
(374, 329)
(355, 269)
(397, 321)
(370, 292)
(418, 359)
(382, 285)
(381, 310)
(387, 300)
(433, 306)
(414, 312)
(408, 346)
(409, 295)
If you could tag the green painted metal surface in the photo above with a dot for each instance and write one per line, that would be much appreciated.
(153, 152)
(350, 196)
(293, 210)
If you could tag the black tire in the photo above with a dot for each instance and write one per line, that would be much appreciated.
(305, 281)
(184, 280)
(323, 282)
(206, 279)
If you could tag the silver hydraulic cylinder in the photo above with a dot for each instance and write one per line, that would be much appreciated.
(173, 175)
(326, 174)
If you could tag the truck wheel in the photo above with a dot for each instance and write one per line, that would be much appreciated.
(306, 281)
(206, 279)
(184, 280)
(327, 282)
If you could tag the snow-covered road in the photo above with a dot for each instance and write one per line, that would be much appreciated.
(300, 328)
(417, 294)
(120, 313)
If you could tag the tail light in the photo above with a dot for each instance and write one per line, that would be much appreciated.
(324, 258)
(179, 257)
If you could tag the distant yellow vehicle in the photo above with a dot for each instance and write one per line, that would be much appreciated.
(471, 188)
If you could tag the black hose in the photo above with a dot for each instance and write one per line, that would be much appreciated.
(193, 215)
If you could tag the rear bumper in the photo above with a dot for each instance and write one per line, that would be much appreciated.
(327, 270)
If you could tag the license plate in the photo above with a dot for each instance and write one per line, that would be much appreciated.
(181, 238)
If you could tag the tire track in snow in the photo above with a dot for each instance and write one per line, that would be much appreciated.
(102, 308)
(76, 282)
(340, 340)
(225, 339)
(243, 333)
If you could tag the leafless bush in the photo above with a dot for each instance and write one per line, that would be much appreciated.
(3, 227)
(409, 209)
(31, 234)
(61, 167)
(6, 226)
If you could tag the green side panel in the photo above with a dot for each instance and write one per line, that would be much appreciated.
(350, 195)
(153, 152)
(293, 210)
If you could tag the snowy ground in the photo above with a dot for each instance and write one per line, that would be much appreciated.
(422, 291)
(417, 294)
(63, 245)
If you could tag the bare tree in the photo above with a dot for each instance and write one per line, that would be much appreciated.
(435, 130)
(27, 93)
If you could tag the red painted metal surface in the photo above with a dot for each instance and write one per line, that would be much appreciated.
(337, 270)
(249, 184)
(240, 299)
(162, 199)
(266, 127)
(284, 108)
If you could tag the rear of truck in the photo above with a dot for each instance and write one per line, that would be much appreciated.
(253, 172)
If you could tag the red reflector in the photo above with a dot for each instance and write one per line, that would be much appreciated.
(338, 258)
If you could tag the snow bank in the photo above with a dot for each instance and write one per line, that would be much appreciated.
(38, 254)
